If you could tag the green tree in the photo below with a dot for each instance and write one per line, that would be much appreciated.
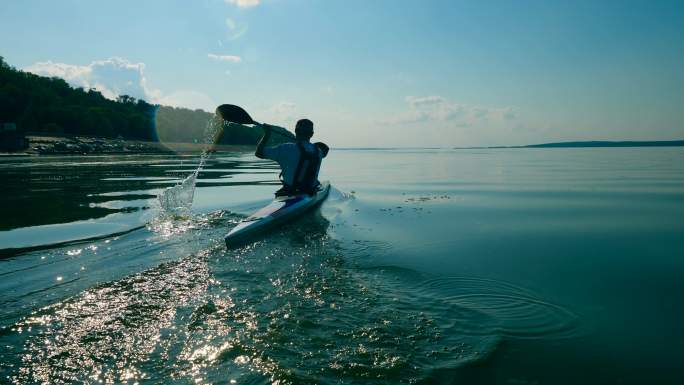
(41, 104)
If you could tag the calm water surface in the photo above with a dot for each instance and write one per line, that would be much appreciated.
(521, 266)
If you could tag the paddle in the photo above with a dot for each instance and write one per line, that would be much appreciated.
(235, 114)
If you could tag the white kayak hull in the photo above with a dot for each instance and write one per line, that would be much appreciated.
(280, 210)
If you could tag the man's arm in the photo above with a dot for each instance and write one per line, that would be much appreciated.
(262, 143)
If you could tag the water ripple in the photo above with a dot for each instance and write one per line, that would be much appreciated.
(521, 313)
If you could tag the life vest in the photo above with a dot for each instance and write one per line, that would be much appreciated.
(306, 174)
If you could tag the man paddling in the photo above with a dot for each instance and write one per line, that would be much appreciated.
(300, 162)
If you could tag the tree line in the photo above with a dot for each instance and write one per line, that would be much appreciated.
(50, 105)
(189, 126)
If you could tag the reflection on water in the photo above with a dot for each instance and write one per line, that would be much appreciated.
(477, 267)
(90, 197)
(290, 312)
(67, 189)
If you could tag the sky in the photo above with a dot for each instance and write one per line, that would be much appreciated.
(381, 73)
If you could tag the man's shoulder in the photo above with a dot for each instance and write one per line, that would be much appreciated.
(283, 147)
(288, 147)
(292, 148)
(282, 151)
(315, 148)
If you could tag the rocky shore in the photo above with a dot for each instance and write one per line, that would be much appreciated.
(81, 145)
(49, 145)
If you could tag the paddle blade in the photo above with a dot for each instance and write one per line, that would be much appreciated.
(234, 114)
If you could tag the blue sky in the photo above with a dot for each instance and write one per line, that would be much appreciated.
(378, 73)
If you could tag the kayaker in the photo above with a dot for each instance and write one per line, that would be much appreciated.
(299, 162)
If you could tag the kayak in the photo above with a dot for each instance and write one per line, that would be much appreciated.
(281, 210)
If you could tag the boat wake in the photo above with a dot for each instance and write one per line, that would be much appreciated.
(288, 309)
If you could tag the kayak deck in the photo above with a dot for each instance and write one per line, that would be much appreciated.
(277, 212)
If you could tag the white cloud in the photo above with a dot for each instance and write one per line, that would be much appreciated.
(116, 76)
(235, 29)
(438, 109)
(283, 107)
(60, 70)
(226, 58)
(424, 101)
(283, 111)
(244, 3)
(112, 77)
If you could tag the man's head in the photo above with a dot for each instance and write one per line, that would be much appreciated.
(304, 129)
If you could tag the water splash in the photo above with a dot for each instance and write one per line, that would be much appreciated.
(176, 201)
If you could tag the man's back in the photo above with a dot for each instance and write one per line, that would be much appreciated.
(300, 161)
(289, 157)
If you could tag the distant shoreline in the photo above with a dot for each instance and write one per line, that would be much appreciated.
(576, 144)
(595, 144)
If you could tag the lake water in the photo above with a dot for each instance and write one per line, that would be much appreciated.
(506, 266)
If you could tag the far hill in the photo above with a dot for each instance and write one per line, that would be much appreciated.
(602, 143)
(593, 143)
